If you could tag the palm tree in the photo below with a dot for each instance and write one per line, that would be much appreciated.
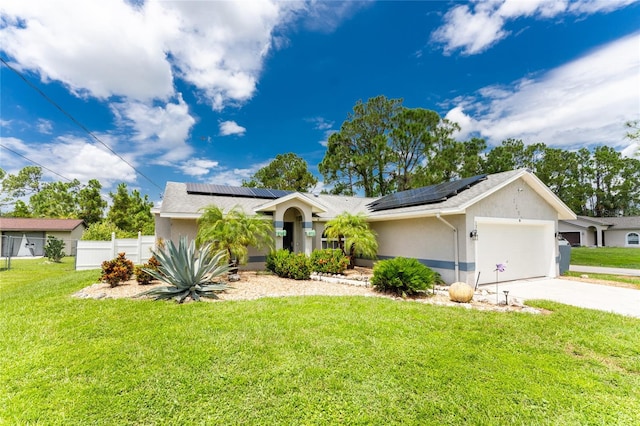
(234, 232)
(354, 236)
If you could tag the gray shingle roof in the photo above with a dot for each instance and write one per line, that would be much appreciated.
(626, 222)
(178, 203)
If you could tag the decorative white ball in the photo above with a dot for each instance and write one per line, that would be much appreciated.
(460, 292)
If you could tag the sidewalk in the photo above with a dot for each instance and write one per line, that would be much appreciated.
(603, 270)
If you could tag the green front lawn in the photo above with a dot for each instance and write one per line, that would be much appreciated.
(614, 257)
(625, 279)
(305, 360)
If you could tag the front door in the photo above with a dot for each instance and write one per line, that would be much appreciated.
(287, 240)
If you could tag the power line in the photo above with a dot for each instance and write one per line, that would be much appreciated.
(35, 162)
(73, 119)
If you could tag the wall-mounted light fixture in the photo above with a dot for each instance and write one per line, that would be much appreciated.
(474, 235)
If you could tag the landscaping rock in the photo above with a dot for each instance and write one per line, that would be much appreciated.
(460, 292)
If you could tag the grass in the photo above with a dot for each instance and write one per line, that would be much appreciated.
(625, 279)
(304, 360)
(614, 257)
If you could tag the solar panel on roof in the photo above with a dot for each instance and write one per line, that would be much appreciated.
(425, 195)
(235, 191)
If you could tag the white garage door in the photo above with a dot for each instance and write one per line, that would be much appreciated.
(526, 248)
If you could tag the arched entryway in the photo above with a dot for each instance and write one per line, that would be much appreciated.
(292, 223)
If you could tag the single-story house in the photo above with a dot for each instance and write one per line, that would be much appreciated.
(461, 229)
(602, 231)
(28, 236)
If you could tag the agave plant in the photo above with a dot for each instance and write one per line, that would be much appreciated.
(190, 272)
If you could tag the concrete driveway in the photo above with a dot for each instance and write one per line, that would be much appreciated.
(618, 300)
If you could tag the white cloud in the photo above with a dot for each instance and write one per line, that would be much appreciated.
(44, 126)
(118, 48)
(633, 150)
(233, 177)
(475, 27)
(95, 48)
(320, 123)
(73, 158)
(161, 131)
(584, 102)
(197, 166)
(231, 128)
(467, 124)
(326, 16)
(471, 31)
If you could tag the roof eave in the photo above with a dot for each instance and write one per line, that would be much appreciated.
(272, 205)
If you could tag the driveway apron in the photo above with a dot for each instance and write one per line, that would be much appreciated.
(625, 301)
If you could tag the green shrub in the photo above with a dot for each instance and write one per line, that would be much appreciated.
(403, 276)
(54, 249)
(275, 261)
(331, 261)
(299, 266)
(289, 265)
(102, 231)
(117, 270)
(143, 276)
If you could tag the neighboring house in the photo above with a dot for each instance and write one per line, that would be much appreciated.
(461, 229)
(27, 237)
(602, 231)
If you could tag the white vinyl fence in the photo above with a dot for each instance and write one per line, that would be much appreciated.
(91, 254)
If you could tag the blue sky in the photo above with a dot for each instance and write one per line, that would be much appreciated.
(205, 91)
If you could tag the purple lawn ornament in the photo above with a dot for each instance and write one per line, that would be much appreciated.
(500, 267)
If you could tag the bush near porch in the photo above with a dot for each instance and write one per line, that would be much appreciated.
(303, 360)
(613, 257)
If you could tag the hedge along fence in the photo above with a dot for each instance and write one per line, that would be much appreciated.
(91, 254)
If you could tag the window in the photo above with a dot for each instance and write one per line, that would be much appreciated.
(633, 239)
(329, 243)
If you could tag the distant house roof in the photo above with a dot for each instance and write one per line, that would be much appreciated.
(624, 222)
(178, 202)
(37, 224)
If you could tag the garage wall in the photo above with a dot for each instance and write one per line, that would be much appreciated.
(426, 239)
(183, 227)
(516, 201)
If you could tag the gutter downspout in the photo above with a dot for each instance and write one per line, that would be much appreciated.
(456, 251)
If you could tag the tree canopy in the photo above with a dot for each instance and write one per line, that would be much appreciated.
(287, 172)
(29, 196)
(131, 212)
(384, 147)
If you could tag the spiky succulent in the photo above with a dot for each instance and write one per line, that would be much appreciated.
(190, 272)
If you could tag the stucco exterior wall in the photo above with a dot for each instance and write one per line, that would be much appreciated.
(618, 238)
(163, 227)
(427, 239)
(70, 240)
(515, 201)
(183, 227)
